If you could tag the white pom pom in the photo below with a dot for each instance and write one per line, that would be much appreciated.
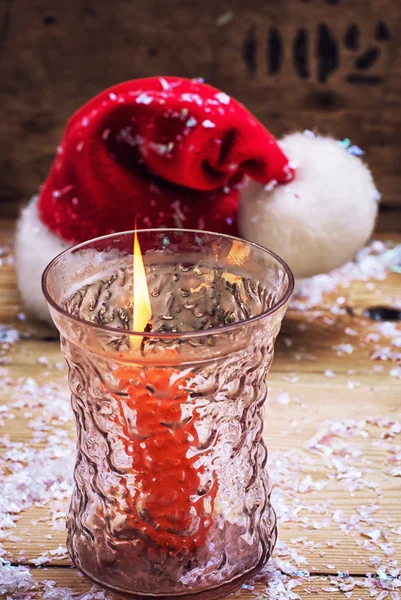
(35, 247)
(321, 219)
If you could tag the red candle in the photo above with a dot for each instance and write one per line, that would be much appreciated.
(166, 504)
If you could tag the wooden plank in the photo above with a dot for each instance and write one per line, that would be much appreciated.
(69, 580)
(358, 297)
(326, 64)
(332, 437)
(312, 401)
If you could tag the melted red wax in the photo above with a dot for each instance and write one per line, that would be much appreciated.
(161, 504)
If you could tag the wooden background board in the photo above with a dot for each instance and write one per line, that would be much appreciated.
(303, 402)
(333, 65)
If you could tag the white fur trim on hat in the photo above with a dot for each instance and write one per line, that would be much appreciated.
(35, 247)
(318, 221)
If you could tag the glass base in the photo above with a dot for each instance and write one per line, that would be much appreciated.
(209, 594)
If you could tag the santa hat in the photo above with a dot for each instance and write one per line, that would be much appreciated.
(161, 151)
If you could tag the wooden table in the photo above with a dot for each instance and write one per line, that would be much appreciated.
(333, 428)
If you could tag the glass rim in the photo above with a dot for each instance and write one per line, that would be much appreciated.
(168, 335)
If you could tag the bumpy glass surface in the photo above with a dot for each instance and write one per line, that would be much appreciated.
(172, 495)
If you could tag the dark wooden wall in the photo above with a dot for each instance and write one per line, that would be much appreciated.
(334, 65)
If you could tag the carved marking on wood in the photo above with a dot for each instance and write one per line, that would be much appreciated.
(300, 53)
(250, 50)
(327, 53)
(367, 66)
(274, 51)
(352, 37)
(382, 32)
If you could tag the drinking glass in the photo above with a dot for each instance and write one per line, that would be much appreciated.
(172, 495)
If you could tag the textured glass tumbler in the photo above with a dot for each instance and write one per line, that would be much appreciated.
(171, 496)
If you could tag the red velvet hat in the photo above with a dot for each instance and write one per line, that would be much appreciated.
(164, 151)
(172, 152)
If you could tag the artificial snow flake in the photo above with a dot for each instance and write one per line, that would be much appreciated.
(188, 97)
(372, 262)
(144, 98)
(271, 185)
(165, 84)
(8, 335)
(224, 18)
(344, 348)
(223, 98)
(161, 149)
(15, 579)
(283, 398)
(207, 124)
(191, 122)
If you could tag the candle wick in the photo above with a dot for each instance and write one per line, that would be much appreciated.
(147, 329)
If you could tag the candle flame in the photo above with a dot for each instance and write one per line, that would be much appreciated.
(141, 308)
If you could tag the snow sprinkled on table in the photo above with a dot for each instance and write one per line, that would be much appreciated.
(332, 426)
